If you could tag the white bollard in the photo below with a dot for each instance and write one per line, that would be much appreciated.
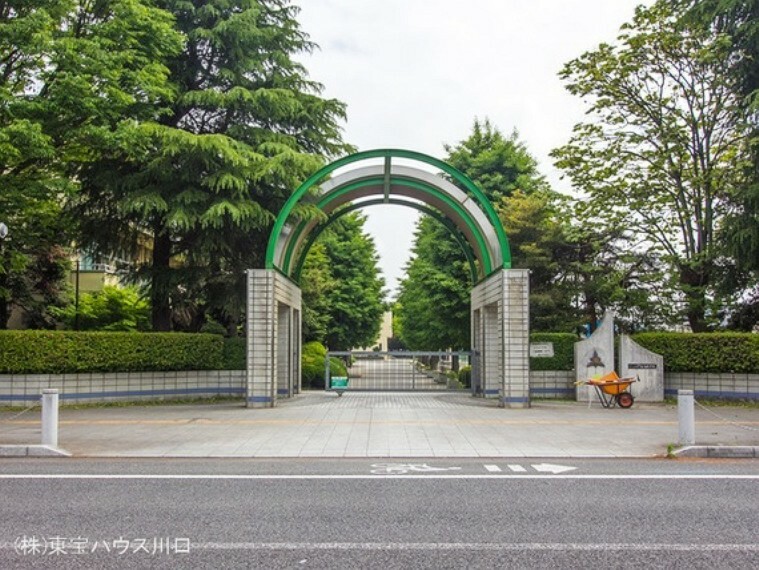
(686, 417)
(50, 417)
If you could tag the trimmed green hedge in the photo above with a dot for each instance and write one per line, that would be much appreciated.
(563, 350)
(234, 354)
(60, 352)
(704, 352)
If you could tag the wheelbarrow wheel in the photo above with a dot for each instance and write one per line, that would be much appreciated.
(625, 400)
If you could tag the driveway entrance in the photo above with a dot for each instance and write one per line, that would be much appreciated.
(398, 371)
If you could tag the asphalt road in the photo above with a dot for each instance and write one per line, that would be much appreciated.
(379, 514)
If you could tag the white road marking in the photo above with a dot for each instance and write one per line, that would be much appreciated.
(493, 468)
(517, 469)
(422, 477)
(551, 468)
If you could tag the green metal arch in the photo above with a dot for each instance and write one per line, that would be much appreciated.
(457, 175)
(342, 190)
(337, 214)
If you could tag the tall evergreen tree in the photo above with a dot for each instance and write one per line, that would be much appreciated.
(243, 127)
(433, 302)
(507, 174)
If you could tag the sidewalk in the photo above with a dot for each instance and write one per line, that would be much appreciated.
(380, 425)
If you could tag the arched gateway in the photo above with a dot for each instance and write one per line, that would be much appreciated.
(500, 319)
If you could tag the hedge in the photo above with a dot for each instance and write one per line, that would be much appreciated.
(60, 352)
(704, 352)
(234, 353)
(563, 351)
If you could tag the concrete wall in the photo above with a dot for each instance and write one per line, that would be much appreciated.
(705, 385)
(560, 384)
(24, 390)
(552, 384)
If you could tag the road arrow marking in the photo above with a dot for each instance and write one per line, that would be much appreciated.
(551, 468)
(493, 468)
(517, 468)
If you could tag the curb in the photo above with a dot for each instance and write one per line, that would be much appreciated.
(719, 451)
(32, 451)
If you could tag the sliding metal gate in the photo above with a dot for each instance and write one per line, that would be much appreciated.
(396, 371)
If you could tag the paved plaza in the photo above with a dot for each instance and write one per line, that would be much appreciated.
(319, 424)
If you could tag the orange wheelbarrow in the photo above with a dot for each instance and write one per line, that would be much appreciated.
(613, 390)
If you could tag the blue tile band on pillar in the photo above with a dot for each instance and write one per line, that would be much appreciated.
(260, 399)
(515, 400)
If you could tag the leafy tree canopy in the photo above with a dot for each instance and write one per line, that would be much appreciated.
(659, 156)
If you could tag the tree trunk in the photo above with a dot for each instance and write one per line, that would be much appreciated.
(160, 283)
(693, 281)
(5, 314)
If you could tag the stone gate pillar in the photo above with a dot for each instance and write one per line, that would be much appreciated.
(501, 337)
(273, 337)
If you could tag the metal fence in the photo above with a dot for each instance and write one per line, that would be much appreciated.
(397, 371)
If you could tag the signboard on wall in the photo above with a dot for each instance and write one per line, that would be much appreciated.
(541, 350)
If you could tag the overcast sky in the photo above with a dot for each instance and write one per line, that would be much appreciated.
(416, 73)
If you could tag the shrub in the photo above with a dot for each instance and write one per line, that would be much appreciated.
(563, 350)
(59, 352)
(112, 309)
(312, 365)
(465, 376)
(234, 353)
(704, 352)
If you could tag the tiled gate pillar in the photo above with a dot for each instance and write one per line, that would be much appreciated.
(501, 337)
(273, 338)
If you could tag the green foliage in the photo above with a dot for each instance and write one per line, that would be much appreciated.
(601, 272)
(316, 283)
(72, 76)
(234, 353)
(112, 309)
(563, 350)
(346, 295)
(498, 165)
(538, 235)
(242, 128)
(737, 20)
(56, 352)
(712, 352)
(433, 304)
(313, 358)
(434, 297)
(661, 151)
(465, 376)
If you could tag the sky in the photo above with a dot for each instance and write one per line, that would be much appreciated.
(416, 73)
